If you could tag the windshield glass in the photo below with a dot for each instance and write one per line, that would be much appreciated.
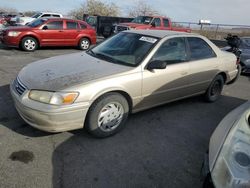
(37, 22)
(142, 19)
(36, 15)
(124, 48)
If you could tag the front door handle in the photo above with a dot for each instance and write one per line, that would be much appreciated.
(60, 31)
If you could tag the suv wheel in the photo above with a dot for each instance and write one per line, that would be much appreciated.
(84, 44)
(29, 44)
(107, 115)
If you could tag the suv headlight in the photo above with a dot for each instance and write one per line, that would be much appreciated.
(13, 33)
(232, 168)
(54, 98)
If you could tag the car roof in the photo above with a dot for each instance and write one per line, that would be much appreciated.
(57, 18)
(160, 33)
(49, 13)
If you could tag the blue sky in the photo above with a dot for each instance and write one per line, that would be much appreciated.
(218, 11)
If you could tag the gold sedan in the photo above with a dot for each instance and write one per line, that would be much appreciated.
(129, 72)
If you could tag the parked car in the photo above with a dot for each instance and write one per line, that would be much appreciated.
(104, 25)
(3, 20)
(127, 73)
(245, 54)
(14, 18)
(21, 20)
(227, 165)
(150, 22)
(50, 32)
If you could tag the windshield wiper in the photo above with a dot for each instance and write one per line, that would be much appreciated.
(91, 52)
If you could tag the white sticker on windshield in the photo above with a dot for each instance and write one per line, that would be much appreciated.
(148, 39)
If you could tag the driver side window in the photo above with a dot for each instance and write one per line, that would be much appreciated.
(172, 51)
(157, 22)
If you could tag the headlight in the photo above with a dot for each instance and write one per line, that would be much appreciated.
(54, 98)
(232, 168)
(13, 33)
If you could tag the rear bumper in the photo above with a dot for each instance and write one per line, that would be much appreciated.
(234, 76)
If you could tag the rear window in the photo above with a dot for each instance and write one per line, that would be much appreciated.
(72, 25)
(199, 49)
(56, 15)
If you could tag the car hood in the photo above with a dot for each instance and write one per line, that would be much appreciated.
(17, 28)
(64, 71)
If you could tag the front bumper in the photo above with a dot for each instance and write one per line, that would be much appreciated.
(10, 41)
(49, 118)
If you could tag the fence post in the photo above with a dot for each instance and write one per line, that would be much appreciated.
(215, 37)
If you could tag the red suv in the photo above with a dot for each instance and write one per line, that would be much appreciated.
(50, 32)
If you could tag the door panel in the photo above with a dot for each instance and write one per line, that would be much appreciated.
(71, 32)
(203, 65)
(53, 35)
(160, 86)
(163, 85)
(202, 73)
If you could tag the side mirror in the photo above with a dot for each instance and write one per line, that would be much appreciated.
(157, 64)
(45, 27)
(153, 24)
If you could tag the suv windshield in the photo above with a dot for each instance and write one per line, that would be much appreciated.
(142, 19)
(37, 22)
(36, 15)
(124, 48)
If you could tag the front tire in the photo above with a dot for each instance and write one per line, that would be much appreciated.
(84, 44)
(29, 44)
(214, 90)
(107, 115)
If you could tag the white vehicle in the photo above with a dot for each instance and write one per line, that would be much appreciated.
(26, 20)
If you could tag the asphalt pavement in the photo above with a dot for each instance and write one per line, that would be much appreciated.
(161, 147)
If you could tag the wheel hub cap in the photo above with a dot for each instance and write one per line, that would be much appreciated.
(30, 44)
(110, 116)
(85, 44)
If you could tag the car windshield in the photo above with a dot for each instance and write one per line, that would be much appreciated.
(245, 43)
(36, 15)
(124, 48)
(142, 20)
(37, 22)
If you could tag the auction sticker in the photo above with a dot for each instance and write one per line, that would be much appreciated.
(148, 39)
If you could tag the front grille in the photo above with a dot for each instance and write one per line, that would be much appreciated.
(18, 86)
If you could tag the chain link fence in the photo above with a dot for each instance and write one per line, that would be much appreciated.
(216, 31)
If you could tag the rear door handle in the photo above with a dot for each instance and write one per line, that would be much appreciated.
(60, 31)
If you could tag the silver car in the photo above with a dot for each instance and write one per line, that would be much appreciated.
(228, 163)
(130, 72)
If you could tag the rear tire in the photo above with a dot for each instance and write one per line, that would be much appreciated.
(84, 44)
(29, 44)
(214, 90)
(107, 115)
